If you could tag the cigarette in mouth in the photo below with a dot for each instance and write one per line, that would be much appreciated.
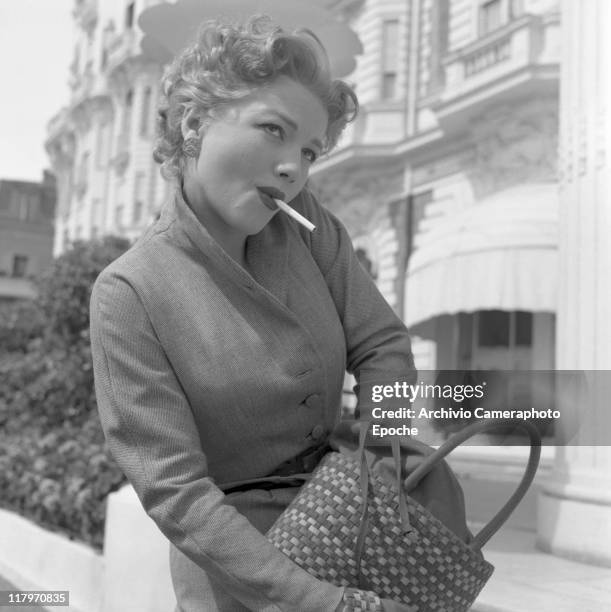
(291, 212)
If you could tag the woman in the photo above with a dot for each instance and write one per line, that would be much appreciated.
(221, 338)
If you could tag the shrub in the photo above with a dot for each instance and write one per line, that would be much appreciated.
(54, 467)
(20, 322)
(65, 288)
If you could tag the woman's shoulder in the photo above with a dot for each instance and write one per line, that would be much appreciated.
(140, 265)
(134, 262)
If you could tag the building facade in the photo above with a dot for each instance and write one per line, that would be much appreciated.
(27, 211)
(100, 145)
(447, 180)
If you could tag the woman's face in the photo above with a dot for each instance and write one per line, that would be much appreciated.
(267, 140)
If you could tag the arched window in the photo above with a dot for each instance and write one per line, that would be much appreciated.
(145, 111)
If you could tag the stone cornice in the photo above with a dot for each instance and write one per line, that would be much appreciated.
(345, 9)
(87, 109)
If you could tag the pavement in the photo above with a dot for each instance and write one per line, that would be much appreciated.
(528, 580)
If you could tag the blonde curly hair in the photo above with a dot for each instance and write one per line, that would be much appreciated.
(226, 63)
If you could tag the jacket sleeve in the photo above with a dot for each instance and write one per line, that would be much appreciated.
(151, 433)
(377, 341)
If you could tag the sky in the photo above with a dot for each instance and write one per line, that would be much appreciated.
(36, 39)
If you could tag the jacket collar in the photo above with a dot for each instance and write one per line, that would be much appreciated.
(267, 253)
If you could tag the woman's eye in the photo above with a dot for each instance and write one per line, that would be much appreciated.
(310, 155)
(273, 129)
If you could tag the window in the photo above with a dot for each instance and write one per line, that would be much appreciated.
(118, 216)
(493, 328)
(101, 145)
(137, 211)
(523, 328)
(83, 175)
(516, 8)
(498, 328)
(20, 264)
(126, 123)
(138, 198)
(85, 167)
(494, 14)
(417, 211)
(146, 111)
(129, 15)
(34, 208)
(390, 58)
(24, 203)
(439, 36)
(107, 38)
(491, 15)
(127, 119)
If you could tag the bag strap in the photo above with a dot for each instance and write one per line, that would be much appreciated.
(457, 439)
(364, 483)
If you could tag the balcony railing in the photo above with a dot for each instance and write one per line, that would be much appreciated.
(522, 46)
(488, 57)
(121, 47)
(82, 84)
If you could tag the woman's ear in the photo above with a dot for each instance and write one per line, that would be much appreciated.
(191, 134)
(190, 125)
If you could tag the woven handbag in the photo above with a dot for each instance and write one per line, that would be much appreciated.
(350, 527)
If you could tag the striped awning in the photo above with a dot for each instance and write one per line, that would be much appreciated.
(499, 253)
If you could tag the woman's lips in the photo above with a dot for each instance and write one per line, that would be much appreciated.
(268, 201)
(273, 192)
(268, 194)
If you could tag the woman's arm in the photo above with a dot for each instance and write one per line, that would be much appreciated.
(378, 344)
(151, 433)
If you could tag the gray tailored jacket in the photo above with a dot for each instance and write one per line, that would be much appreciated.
(208, 373)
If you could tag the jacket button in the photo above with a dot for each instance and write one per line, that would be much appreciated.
(318, 432)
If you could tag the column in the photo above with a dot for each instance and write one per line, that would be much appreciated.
(575, 505)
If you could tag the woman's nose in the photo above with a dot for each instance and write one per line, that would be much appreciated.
(288, 171)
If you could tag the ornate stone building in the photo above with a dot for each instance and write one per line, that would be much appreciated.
(447, 180)
(100, 145)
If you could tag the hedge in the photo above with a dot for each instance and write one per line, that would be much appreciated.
(54, 465)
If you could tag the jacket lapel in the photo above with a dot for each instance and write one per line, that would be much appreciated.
(267, 256)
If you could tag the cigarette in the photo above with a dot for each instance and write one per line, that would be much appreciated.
(291, 212)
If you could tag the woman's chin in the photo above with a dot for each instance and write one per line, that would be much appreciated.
(257, 225)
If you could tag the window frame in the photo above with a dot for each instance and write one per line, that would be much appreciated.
(389, 58)
(19, 260)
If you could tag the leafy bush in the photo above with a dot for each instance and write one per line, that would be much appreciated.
(54, 467)
(20, 322)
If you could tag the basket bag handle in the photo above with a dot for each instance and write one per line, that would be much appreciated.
(430, 461)
(468, 432)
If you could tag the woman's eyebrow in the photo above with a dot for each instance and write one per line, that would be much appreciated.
(293, 124)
